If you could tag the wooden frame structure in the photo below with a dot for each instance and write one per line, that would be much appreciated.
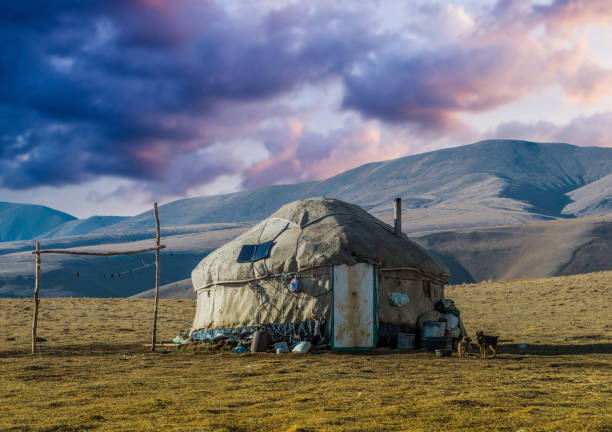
(157, 248)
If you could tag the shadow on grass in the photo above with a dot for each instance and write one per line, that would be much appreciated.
(93, 349)
(557, 350)
(532, 350)
(101, 349)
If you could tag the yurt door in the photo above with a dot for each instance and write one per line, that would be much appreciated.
(354, 313)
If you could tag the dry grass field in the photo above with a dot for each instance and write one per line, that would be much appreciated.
(93, 373)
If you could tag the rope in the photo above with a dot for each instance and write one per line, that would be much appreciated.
(230, 282)
(415, 270)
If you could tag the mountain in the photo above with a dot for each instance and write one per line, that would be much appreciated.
(489, 183)
(82, 226)
(176, 290)
(542, 249)
(492, 210)
(593, 199)
(30, 221)
(101, 276)
(26, 221)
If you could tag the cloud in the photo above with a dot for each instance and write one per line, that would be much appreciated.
(298, 155)
(563, 16)
(145, 91)
(591, 130)
(433, 90)
(588, 83)
(162, 93)
(486, 62)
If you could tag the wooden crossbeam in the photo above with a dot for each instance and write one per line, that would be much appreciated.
(68, 252)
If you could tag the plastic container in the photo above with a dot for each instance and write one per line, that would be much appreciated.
(405, 340)
(433, 329)
(295, 287)
(452, 320)
(302, 347)
(281, 347)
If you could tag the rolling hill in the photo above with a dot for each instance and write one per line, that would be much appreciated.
(490, 183)
(82, 226)
(541, 249)
(31, 221)
(26, 221)
(593, 199)
(115, 276)
(492, 210)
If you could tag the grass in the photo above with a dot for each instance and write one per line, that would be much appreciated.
(93, 372)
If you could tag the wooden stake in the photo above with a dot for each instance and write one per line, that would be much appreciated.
(36, 288)
(397, 216)
(157, 241)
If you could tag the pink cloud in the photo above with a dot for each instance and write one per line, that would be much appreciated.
(566, 15)
(588, 83)
(591, 130)
(311, 156)
(495, 59)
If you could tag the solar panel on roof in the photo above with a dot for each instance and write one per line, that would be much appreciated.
(250, 253)
(246, 253)
(262, 251)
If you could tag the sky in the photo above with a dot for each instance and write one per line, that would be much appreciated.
(109, 105)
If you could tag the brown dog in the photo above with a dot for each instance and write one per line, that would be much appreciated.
(463, 347)
(486, 342)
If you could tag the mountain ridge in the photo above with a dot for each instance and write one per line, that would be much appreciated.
(487, 183)
(438, 181)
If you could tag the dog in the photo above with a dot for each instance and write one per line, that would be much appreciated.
(486, 342)
(463, 347)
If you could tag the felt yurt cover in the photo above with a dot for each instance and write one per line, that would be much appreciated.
(303, 238)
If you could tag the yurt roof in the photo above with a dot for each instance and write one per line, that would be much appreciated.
(312, 233)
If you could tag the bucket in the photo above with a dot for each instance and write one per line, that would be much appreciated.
(405, 340)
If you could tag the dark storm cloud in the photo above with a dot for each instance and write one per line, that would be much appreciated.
(126, 88)
(139, 89)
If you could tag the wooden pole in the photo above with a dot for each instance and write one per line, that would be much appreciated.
(397, 216)
(157, 241)
(36, 288)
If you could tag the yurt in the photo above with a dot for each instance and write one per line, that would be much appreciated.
(318, 269)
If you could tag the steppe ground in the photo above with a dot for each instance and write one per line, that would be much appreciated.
(93, 372)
